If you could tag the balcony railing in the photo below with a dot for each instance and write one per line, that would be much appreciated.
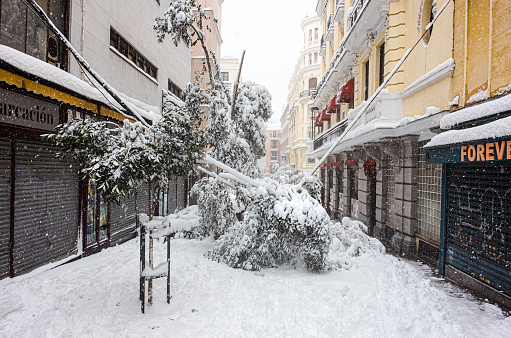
(339, 10)
(330, 22)
(330, 134)
(356, 10)
(304, 93)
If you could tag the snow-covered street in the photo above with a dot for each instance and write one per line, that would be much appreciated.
(379, 296)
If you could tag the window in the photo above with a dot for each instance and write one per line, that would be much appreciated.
(174, 89)
(274, 134)
(382, 64)
(310, 34)
(310, 59)
(97, 216)
(316, 60)
(316, 33)
(390, 188)
(313, 83)
(429, 193)
(427, 15)
(23, 31)
(274, 155)
(366, 82)
(224, 76)
(274, 144)
(311, 160)
(131, 53)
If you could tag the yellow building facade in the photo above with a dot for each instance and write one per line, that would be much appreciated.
(296, 118)
(378, 173)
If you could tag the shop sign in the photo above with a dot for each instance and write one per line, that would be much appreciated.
(26, 111)
(482, 151)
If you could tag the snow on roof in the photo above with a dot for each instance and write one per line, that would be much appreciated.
(488, 108)
(495, 129)
(64, 79)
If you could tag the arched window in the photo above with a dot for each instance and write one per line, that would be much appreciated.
(310, 34)
(316, 33)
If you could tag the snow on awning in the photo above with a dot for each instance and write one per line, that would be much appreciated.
(477, 111)
(68, 82)
(324, 116)
(492, 130)
(346, 92)
(332, 105)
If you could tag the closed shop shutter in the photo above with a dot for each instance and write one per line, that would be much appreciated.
(5, 205)
(143, 199)
(122, 220)
(478, 222)
(46, 207)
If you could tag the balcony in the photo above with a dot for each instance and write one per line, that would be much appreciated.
(330, 28)
(339, 10)
(322, 51)
(304, 93)
(386, 108)
(331, 134)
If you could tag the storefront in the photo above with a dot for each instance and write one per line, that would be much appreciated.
(475, 235)
(48, 213)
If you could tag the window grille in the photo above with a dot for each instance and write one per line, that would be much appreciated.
(429, 194)
(390, 179)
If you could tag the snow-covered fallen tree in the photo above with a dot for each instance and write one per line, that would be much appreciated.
(281, 223)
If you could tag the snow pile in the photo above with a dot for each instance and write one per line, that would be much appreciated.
(495, 129)
(477, 111)
(381, 296)
(350, 239)
(185, 223)
(479, 96)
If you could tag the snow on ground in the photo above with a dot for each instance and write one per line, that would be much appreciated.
(379, 296)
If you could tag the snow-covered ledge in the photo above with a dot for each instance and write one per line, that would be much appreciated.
(386, 106)
(438, 73)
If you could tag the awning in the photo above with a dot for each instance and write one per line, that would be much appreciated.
(332, 106)
(346, 92)
(317, 122)
(324, 116)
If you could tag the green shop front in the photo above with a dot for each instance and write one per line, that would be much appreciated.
(476, 213)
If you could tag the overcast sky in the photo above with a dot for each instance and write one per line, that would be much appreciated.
(270, 32)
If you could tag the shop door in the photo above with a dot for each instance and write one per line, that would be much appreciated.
(478, 222)
(46, 207)
(5, 205)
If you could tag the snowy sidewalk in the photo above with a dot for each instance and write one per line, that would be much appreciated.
(380, 296)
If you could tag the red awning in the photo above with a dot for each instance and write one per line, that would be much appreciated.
(332, 105)
(324, 116)
(317, 122)
(346, 92)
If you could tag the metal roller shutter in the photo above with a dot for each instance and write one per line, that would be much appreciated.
(46, 207)
(122, 220)
(5, 205)
(478, 221)
(143, 199)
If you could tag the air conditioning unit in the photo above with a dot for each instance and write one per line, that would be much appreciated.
(53, 50)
